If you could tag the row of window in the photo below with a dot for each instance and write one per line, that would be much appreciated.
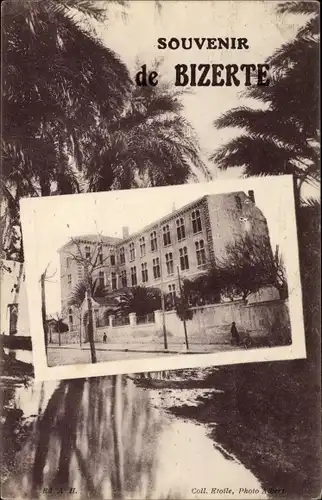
(166, 236)
(156, 270)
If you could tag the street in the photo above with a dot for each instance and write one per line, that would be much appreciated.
(73, 354)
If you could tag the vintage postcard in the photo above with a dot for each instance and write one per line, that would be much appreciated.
(160, 208)
(163, 278)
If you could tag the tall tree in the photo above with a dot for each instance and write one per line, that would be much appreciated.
(151, 144)
(281, 138)
(49, 108)
(141, 300)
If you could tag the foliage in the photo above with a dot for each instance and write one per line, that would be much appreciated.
(205, 289)
(79, 292)
(141, 300)
(61, 326)
(49, 109)
(151, 144)
(283, 137)
(249, 265)
(182, 307)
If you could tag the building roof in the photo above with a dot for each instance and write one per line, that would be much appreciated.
(91, 238)
(108, 240)
(177, 212)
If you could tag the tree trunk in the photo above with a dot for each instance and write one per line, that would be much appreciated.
(91, 326)
(59, 336)
(43, 309)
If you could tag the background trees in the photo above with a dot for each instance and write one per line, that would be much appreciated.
(283, 136)
(141, 300)
(248, 266)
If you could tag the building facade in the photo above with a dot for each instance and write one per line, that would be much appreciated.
(179, 244)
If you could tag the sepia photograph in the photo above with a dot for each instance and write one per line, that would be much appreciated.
(160, 250)
(163, 273)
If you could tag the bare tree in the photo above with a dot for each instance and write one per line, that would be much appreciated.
(89, 265)
(249, 265)
(59, 319)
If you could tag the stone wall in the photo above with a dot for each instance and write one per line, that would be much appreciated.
(66, 338)
(210, 324)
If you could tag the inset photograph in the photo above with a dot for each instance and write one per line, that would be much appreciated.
(172, 277)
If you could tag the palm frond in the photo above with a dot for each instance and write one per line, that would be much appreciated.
(298, 7)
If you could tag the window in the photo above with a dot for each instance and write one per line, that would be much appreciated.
(181, 232)
(172, 294)
(101, 279)
(156, 268)
(100, 256)
(201, 253)
(154, 241)
(184, 261)
(196, 221)
(238, 202)
(68, 262)
(70, 318)
(144, 269)
(123, 279)
(142, 246)
(87, 252)
(134, 280)
(132, 251)
(113, 281)
(112, 260)
(169, 262)
(122, 255)
(69, 280)
(166, 235)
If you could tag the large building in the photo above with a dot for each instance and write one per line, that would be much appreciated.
(181, 242)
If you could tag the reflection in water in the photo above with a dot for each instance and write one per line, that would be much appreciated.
(97, 436)
(105, 438)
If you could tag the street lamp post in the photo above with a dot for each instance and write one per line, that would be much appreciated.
(162, 293)
(183, 310)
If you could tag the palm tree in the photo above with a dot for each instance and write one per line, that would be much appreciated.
(97, 292)
(50, 107)
(79, 292)
(141, 300)
(151, 144)
(283, 137)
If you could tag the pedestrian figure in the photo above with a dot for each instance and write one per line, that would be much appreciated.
(104, 338)
(234, 334)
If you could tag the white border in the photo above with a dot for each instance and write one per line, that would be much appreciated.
(296, 350)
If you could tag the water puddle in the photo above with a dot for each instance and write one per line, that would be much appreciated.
(108, 438)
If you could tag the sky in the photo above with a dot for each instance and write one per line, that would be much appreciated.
(49, 222)
(134, 37)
